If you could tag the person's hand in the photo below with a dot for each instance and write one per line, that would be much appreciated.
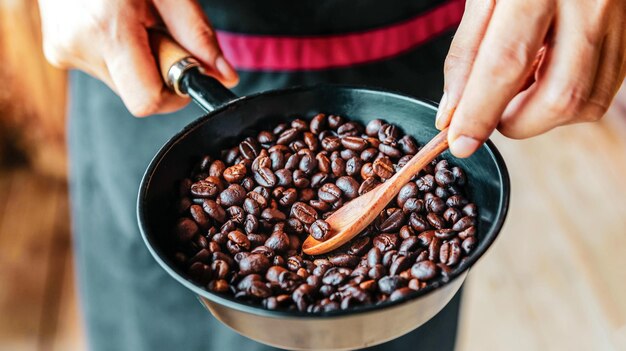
(109, 40)
(527, 66)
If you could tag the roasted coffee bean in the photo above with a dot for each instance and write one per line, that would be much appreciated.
(329, 192)
(334, 276)
(394, 222)
(369, 154)
(373, 127)
(273, 215)
(233, 195)
(348, 129)
(408, 145)
(418, 222)
(353, 166)
(409, 190)
(359, 245)
(469, 244)
(444, 177)
(217, 168)
(469, 232)
(456, 201)
(409, 244)
(435, 205)
(459, 176)
(254, 263)
(318, 123)
(251, 206)
(354, 143)
(186, 229)
(406, 231)
(306, 194)
(300, 179)
(288, 197)
(390, 151)
(204, 189)
(388, 134)
(388, 284)
(399, 264)
(199, 216)
(263, 160)
(214, 210)
(331, 143)
(385, 242)
(308, 164)
(368, 185)
(320, 205)
(464, 223)
(338, 167)
(236, 213)
(344, 260)
(348, 186)
(249, 148)
(435, 220)
(413, 205)
(451, 215)
(425, 183)
(383, 168)
(303, 212)
(278, 241)
(367, 171)
(445, 234)
(287, 136)
(470, 210)
(374, 257)
(424, 270)
(433, 249)
(335, 121)
(320, 230)
(265, 137)
(265, 177)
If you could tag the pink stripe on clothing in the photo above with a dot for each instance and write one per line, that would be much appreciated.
(285, 53)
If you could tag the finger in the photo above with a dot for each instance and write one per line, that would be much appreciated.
(134, 73)
(566, 85)
(611, 74)
(461, 56)
(515, 34)
(190, 27)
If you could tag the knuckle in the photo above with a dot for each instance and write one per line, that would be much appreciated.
(566, 101)
(509, 60)
(457, 57)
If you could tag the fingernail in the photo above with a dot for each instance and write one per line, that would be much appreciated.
(226, 70)
(463, 146)
(440, 111)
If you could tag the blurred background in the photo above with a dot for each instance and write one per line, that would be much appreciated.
(554, 280)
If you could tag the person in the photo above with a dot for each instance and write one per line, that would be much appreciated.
(521, 66)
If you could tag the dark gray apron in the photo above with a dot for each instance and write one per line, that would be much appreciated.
(128, 301)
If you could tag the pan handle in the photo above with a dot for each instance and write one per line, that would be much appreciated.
(183, 73)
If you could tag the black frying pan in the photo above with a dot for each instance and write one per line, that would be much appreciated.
(229, 119)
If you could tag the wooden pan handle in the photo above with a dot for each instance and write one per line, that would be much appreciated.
(173, 59)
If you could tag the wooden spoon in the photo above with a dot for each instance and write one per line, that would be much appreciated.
(357, 214)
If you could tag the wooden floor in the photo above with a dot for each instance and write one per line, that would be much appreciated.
(554, 280)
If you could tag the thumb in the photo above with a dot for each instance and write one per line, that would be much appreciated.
(189, 26)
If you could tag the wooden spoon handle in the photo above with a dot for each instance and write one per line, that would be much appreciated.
(429, 152)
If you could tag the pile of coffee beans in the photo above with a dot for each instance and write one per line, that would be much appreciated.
(244, 214)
